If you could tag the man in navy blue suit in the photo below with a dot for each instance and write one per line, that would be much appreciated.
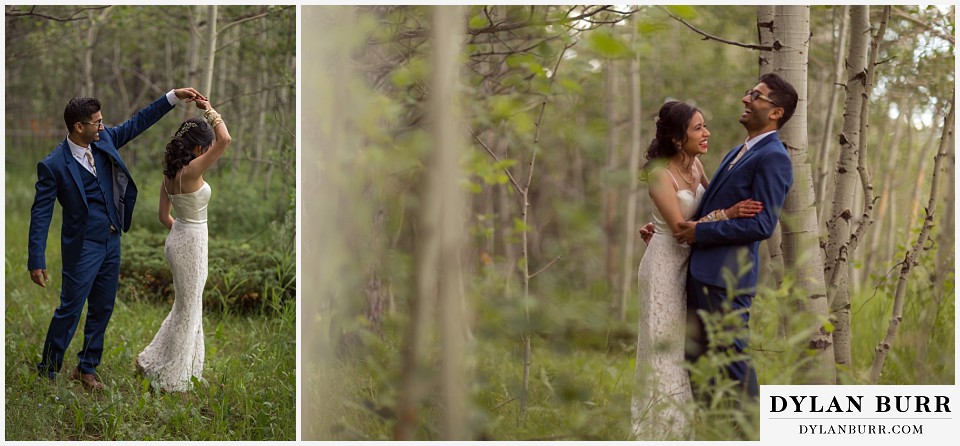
(724, 255)
(86, 174)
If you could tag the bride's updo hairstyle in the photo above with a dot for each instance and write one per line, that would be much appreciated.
(671, 123)
(193, 132)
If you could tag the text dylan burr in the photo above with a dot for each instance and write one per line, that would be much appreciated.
(849, 403)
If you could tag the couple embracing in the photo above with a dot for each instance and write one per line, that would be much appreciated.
(702, 253)
(87, 176)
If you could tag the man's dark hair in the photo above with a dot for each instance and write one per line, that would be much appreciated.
(783, 94)
(79, 109)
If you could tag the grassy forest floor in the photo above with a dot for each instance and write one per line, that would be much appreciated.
(250, 368)
(583, 366)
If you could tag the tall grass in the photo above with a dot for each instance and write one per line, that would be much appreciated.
(582, 378)
(249, 391)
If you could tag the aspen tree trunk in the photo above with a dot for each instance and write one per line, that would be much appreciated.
(945, 239)
(442, 225)
(898, 230)
(823, 158)
(89, 84)
(324, 168)
(882, 225)
(630, 228)
(191, 68)
(910, 259)
(765, 24)
(771, 271)
(450, 227)
(210, 51)
(612, 87)
(927, 151)
(845, 180)
(800, 242)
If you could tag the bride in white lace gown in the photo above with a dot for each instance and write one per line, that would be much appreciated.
(662, 405)
(176, 353)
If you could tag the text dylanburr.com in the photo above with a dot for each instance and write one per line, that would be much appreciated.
(852, 415)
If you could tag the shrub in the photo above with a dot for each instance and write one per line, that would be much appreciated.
(241, 278)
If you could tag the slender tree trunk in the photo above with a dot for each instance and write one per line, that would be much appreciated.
(927, 150)
(772, 270)
(612, 87)
(324, 171)
(95, 20)
(800, 242)
(190, 69)
(845, 180)
(210, 52)
(447, 36)
(945, 238)
(910, 259)
(630, 228)
(886, 195)
(442, 224)
(823, 158)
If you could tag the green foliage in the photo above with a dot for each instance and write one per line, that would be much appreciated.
(608, 44)
(242, 277)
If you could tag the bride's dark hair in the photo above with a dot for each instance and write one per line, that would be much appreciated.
(672, 122)
(192, 132)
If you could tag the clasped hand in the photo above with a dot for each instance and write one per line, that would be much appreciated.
(688, 232)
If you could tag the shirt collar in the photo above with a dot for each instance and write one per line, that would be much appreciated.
(77, 151)
(753, 141)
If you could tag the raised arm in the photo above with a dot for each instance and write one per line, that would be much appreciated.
(200, 164)
(149, 115)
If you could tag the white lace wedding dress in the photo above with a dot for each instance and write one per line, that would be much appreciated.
(661, 405)
(176, 352)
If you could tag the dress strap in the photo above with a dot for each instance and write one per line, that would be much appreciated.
(181, 179)
(675, 184)
(164, 184)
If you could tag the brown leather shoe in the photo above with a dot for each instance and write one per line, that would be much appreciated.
(89, 380)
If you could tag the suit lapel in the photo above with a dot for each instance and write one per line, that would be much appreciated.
(72, 167)
(725, 173)
(718, 177)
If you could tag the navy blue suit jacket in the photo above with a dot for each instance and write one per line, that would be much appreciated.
(764, 173)
(58, 178)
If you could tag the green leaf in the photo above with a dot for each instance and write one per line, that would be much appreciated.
(685, 12)
(571, 85)
(477, 21)
(519, 226)
(607, 44)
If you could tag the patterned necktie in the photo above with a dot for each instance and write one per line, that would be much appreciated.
(742, 151)
(93, 165)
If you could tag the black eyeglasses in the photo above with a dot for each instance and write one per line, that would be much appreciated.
(754, 95)
(97, 123)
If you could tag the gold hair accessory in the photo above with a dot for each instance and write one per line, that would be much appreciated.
(185, 128)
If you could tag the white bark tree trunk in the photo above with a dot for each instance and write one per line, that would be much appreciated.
(612, 93)
(845, 181)
(799, 219)
(630, 228)
(444, 187)
(910, 259)
(823, 158)
(210, 51)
